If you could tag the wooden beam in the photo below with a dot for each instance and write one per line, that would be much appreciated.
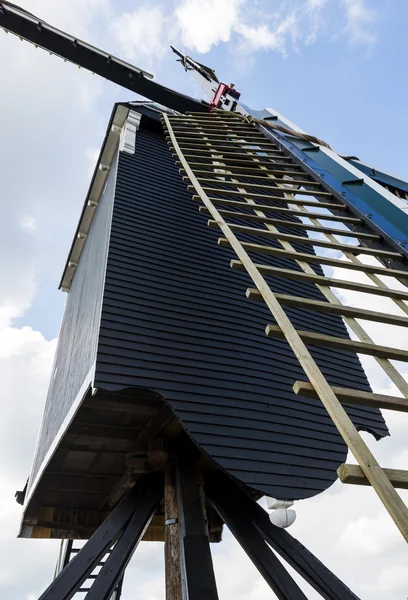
(280, 210)
(340, 309)
(240, 152)
(172, 539)
(275, 200)
(353, 474)
(315, 259)
(261, 177)
(272, 162)
(295, 224)
(281, 190)
(253, 294)
(306, 240)
(254, 169)
(328, 341)
(349, 396)
(222, 488)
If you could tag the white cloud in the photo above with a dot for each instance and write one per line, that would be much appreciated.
(141, 34)
(360, 23)
(206, 23)
(29, 223)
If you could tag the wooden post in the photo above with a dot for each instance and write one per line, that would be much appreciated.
(172, 539)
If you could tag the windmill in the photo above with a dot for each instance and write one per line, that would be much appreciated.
(169, 411)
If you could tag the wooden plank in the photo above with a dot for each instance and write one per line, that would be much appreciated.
(204, 141)
(278, 209)
(329, 341)
(306, 240)
(206, 136)
(172, 539)
(281, 190)
(313, 258)
(353, 474)
(276, 200)
(238, 153)
(294, 224)
(260, 177)
(255, 159)
(259, 169)
(320, 280)
(339, 416)
(349, 396)
(340, 309)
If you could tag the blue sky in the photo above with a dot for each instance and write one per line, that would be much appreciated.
(336, 68)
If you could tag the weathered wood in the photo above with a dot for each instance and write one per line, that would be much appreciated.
(349, 396)
(322, 280)
(282, 190)
(266, 160)
(338, 309)
(261, 177)
(340, 418)
(328, 341)
(260, 169)
(316, 259)
(275, 200)
(296, 225)
(172, 539)
(206, 150)
(277, 209)
(306, 240)
(354, 475)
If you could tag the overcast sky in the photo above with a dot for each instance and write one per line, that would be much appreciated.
(337, 68)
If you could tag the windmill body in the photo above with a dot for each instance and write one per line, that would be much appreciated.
(169, 411)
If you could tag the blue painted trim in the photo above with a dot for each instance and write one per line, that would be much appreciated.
(379, 176)
(398, 234)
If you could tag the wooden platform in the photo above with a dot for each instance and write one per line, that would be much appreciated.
(113, 439)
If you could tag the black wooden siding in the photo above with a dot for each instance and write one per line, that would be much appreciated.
(175, 319)
(78, 338)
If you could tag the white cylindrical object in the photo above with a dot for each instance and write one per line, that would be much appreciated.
(282, 517)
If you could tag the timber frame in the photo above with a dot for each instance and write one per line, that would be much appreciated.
(99, 566)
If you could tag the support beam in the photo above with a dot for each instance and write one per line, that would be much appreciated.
(143, 497)
(354, 475)
(224, 490)
(172, 539)
(112, 571)
(349, 396)
(198, 577)
(257, 549)
(329, 341)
